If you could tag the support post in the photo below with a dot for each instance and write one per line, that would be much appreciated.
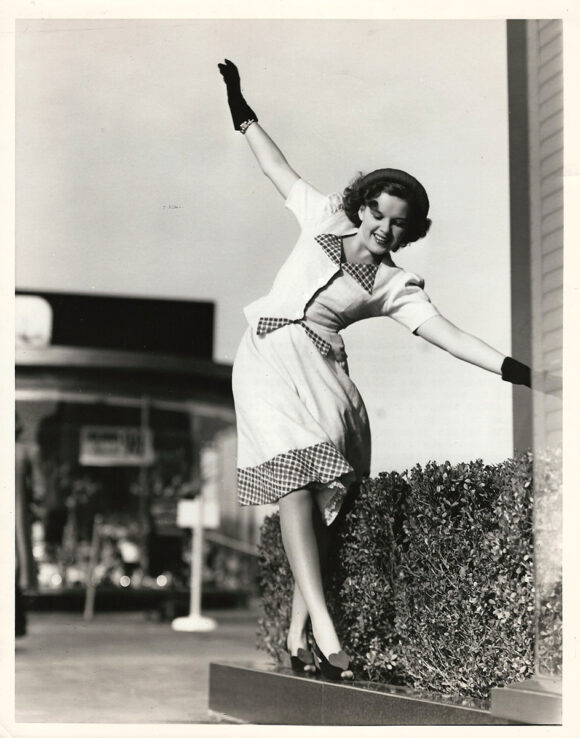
(89, 610)
(195, 621)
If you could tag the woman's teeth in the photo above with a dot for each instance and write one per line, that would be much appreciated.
(380, 240)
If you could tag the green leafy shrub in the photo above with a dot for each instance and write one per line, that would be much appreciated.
(432, 584)
(548, 562)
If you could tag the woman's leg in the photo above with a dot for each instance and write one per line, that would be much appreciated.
(298, 619)
(323, 538)
(300, 544)
(297, 635)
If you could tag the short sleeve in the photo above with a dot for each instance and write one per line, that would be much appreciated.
(309, 205)
(408, 303)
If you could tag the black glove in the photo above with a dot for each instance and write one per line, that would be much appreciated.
(515, 372)
(239, 108)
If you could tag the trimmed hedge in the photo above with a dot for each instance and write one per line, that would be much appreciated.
(432, 584)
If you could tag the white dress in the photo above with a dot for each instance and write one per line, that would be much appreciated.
(301, 420)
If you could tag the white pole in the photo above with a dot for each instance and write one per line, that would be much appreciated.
(89, 610)
(195, 621)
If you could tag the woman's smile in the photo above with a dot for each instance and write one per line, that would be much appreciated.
(382, 239)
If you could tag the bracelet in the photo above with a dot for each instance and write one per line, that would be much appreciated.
(246, 124)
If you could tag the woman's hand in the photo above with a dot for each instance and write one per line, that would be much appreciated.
(242, 113)
(515, 372)
(230, 73)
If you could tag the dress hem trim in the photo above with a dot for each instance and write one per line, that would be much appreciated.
(268, 482)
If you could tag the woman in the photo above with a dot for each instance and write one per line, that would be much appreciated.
(303, 431)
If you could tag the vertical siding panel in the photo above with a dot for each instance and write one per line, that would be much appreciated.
(546, 30)
(536, 93)
(545, 99)
(553, 242)
(552, 105)
(535, 90)
(551, 260)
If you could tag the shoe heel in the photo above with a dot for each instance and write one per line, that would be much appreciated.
(331, 671)
(302, 663)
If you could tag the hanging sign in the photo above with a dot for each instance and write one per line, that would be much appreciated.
(114, 445)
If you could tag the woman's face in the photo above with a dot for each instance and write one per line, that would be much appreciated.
(384, 222)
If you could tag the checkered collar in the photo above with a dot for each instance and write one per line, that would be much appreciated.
(364, 274)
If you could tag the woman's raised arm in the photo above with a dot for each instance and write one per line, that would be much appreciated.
(271, 160)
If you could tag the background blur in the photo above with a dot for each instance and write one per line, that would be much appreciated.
(131, 182)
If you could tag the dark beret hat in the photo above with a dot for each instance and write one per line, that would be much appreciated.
(401, 177)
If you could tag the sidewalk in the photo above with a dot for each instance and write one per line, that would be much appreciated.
(122, 668)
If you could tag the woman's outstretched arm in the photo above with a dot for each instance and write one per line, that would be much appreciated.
(442, 333)
(271, 160)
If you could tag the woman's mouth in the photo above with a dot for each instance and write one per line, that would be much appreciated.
(381, 240)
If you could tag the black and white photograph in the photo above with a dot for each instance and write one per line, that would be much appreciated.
(287, 388)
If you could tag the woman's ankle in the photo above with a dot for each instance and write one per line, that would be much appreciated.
(296, 639)
(325, 636)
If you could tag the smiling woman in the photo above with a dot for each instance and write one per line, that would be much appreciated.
(303, 430)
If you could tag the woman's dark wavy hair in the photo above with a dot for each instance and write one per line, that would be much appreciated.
(357, 194)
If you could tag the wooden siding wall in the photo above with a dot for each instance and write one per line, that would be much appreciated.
(545, 101)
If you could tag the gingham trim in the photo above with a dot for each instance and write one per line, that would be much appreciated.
(331, 245)
(364, 274)
(267, 325)
(267, 482)
(322, 345)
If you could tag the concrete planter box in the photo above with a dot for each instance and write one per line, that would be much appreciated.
(275, 696)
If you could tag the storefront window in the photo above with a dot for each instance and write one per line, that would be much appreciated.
(126, 465)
